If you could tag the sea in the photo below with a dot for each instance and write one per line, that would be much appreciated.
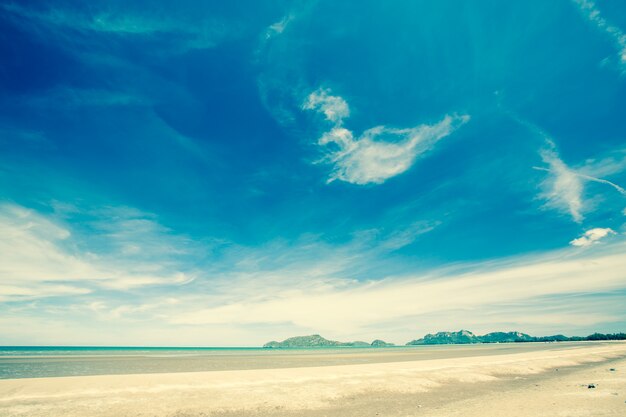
(63, 361)
(55, 361)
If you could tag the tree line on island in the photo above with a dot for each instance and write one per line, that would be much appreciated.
(441, 338)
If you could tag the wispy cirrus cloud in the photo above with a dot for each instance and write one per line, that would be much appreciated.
(121, 248)
(564, 187)
(308, 285)
(41, 257)
(66, 22)
(350, 307)
(278, 27)
(592, 13)
(593, 170)
(77, 98)
(378, 153)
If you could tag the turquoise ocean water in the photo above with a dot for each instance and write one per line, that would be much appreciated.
(52, 361)
(11, 351)
(59, 361)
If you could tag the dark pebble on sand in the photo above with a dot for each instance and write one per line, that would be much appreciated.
(591, 386)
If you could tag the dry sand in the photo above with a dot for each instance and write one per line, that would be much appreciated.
(519, 384)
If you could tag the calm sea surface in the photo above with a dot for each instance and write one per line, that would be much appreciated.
(55, 361)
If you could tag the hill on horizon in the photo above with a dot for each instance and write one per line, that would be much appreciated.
(460, 337)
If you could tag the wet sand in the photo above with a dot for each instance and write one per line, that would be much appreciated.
(514, 384)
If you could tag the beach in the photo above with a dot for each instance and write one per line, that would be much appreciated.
(514, 379)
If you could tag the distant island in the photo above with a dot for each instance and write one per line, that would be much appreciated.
(316, 341)
(466, 337)
(441, 338)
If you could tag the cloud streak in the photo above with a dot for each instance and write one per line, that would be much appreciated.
(300, 286)
(564, 187)
(353, 307)
(378, 153)
(279, 27)
(115, 248)
(40, 257)
(66, 22)
(592, 13)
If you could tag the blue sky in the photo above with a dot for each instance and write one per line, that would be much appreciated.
(208, 173)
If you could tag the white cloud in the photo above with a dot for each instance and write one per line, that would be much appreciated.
(123, 248)
(592, 170)
(380, 152)
(605, 167)
(40, 257)
(340, 308)
(334, 108)
(563, 189)
(278, 27)
(284, 288)
(592, 13)
(592, 236)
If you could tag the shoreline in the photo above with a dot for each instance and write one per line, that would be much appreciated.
(294, 390)
(14, 367)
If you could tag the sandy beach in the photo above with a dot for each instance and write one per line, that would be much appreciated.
(548, 380)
